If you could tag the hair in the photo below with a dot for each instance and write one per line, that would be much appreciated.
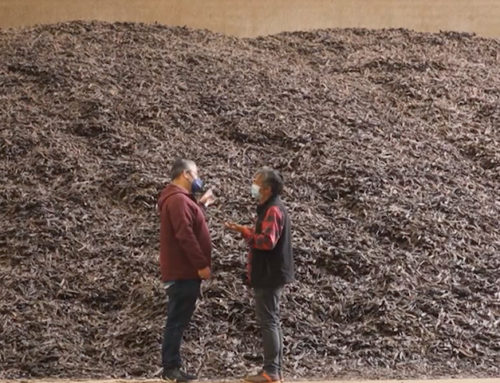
(271, 178)
(179, 166)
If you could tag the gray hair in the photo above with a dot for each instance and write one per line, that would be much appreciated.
(271, 178)
(179, 166)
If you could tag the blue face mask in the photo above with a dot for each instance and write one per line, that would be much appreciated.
(196, 185)
(255, 190)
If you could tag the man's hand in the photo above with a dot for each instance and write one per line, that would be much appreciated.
(208, 198)
(234, 227)
(245, 230)
(204, 273)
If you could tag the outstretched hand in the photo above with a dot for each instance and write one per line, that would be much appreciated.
(235, 227)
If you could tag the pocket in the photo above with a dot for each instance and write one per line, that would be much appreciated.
(171, 290)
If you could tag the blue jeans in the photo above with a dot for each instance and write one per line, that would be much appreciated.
(267, 302)
(182, 296)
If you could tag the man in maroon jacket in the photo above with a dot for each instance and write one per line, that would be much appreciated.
(185, 258)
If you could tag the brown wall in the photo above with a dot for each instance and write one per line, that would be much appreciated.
(262, 17)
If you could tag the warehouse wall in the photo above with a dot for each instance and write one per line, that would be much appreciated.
(262, 17)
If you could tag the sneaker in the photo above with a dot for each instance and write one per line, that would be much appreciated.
(177, 375)
(262, 377)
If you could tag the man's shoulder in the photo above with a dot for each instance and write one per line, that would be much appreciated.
(182, 200)
(278, 205)
(176, 199)
(274, 212)
(274, 209)
(278, 209)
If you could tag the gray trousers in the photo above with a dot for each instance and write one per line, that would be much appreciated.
(267, 302)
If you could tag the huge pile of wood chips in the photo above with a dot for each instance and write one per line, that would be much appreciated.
(389, 145)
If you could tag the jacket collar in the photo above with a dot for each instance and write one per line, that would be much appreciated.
(271, 201)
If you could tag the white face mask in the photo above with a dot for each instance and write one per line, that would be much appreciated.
(255, 190)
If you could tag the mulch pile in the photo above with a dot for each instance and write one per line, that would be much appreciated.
(389, 144)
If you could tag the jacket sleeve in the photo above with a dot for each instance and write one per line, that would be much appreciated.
(272, 226)
(182, 220)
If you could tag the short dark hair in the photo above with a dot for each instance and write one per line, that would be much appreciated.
(271, 178)
(179, 166)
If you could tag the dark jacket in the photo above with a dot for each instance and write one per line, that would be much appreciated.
(273, 268)
(185, 245)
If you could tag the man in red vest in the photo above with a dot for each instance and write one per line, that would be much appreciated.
(270, 267)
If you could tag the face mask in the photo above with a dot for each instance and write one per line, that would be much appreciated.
(255, 190)
(196, 185)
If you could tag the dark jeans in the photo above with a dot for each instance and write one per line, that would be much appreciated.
(182, 296)
(267, 301)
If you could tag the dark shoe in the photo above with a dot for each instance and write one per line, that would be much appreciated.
(177, 375)
(262, 377)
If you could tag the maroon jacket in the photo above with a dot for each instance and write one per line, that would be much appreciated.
(185, 245)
